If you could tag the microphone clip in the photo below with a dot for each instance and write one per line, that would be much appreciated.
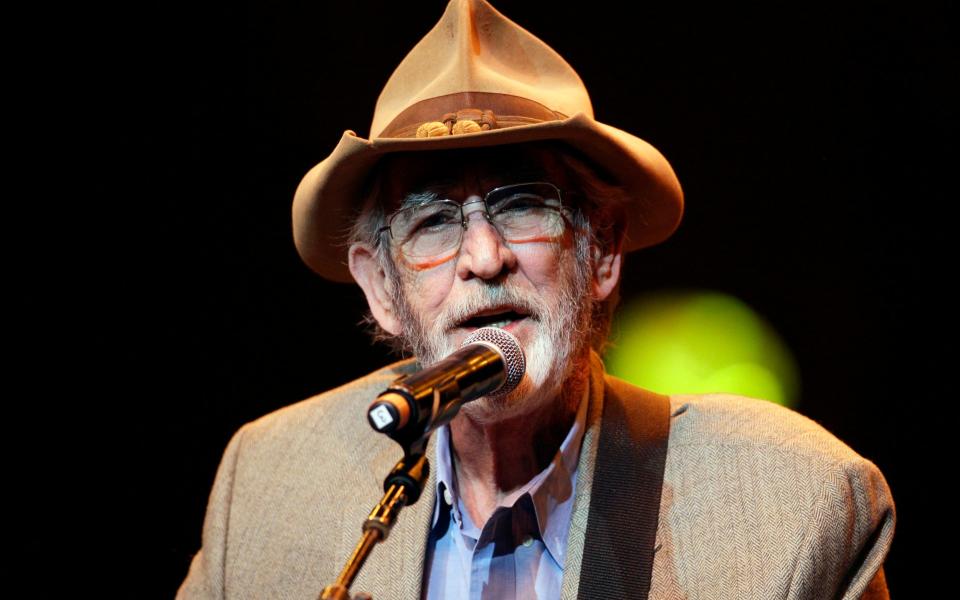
(412, 431)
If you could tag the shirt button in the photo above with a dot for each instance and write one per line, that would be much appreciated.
(447, 497)
(527, 541)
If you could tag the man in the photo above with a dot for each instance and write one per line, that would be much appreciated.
(489, 196)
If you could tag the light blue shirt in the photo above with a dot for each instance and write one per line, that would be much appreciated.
(518, 553)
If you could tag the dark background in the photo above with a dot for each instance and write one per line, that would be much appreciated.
(811, 142)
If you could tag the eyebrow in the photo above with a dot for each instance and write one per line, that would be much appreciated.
(418, 198)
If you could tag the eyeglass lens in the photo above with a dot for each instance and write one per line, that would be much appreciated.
(522, 213)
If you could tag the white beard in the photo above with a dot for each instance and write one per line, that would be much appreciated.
(556, 352)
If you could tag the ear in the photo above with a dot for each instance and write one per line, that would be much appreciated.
(606, 269)
(371, 278)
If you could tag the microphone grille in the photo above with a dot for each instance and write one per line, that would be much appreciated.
(515, 364)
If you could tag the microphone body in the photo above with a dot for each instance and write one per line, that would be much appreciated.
(490, 362)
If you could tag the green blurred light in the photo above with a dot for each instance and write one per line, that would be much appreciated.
(701, 342)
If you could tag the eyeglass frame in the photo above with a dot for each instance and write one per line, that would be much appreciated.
(562, 209)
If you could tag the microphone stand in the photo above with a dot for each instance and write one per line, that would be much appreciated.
(402, 486)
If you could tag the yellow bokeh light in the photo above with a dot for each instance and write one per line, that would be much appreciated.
(701, 342)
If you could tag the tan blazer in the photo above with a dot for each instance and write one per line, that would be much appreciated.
(758, 502)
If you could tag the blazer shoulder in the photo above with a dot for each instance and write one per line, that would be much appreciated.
(750, 478)
(340, 411)
(722, 419)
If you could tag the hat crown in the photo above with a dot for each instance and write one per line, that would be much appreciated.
(477, 80)
(475, 49)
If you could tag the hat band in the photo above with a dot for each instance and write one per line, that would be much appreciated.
(493, 111)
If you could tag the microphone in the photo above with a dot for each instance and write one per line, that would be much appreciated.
(490, 362)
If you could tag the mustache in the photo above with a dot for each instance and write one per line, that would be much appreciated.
(486, 297)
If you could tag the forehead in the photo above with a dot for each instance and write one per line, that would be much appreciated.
(470, 170)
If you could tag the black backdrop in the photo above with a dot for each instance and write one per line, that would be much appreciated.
(808, 139)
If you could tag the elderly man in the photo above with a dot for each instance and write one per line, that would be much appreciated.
(487, 195)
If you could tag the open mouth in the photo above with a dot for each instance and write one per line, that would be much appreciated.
(501, 317)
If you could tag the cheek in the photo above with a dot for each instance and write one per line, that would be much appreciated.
(428, 290)
(542, 264)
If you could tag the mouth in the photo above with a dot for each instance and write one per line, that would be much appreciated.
(504, 317)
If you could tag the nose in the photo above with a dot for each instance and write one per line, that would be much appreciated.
(483, 253)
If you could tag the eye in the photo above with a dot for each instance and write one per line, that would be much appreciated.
(523, 197)
(433, 217)
(518, 202)
(435, 220)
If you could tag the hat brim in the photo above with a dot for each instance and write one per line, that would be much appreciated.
(327, 200)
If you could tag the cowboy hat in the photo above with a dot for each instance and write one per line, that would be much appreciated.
(478, 79)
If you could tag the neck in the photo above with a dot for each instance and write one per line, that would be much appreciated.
(493, 459)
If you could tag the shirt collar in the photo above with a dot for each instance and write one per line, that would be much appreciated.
(551, 490)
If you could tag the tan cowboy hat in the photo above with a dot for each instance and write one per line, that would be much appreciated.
(478, 79)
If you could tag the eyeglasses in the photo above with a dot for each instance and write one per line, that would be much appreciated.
(522, 213)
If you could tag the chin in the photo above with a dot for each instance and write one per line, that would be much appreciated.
(530, 396)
